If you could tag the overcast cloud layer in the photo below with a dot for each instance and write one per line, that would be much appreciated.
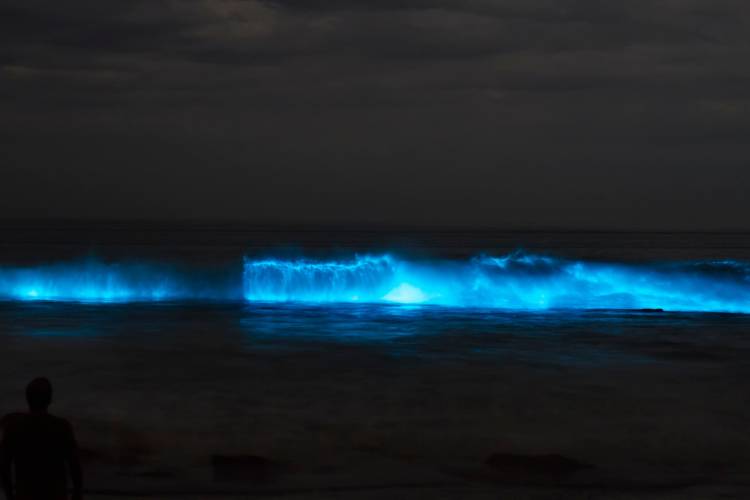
(514, 113)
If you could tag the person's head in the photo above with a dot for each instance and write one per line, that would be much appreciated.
(39, 394)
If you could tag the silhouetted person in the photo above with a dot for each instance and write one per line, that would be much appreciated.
(41, 448)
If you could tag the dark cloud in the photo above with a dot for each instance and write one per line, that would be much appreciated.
(538, 112)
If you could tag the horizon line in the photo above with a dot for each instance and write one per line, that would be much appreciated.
(349, 226)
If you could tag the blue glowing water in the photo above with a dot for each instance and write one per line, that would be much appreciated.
(83, 282)
(515, 281)
(99, 282)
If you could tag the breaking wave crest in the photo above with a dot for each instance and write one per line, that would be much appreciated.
(517, 281)
(366, 279)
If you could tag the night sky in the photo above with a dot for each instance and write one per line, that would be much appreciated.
(506, 113)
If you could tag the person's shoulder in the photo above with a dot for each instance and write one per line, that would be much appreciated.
(10, 420)
(59, 422)
(61, 428)
(11, 417)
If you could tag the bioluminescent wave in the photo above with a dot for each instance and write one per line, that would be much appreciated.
(94, 281)
(366, 279)
(512, 282)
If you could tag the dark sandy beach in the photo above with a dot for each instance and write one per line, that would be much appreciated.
(340, 419)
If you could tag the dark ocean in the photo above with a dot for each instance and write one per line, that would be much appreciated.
(170, 343)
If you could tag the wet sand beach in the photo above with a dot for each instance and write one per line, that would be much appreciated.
(656, 414)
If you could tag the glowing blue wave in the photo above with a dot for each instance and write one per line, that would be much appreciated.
(514, 282)
(94, 281)
(366, 279)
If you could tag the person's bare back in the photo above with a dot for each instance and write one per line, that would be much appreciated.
(42, 450)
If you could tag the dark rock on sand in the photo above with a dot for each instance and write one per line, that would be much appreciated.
(534, 467)
(157, 473)
(244, 468)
